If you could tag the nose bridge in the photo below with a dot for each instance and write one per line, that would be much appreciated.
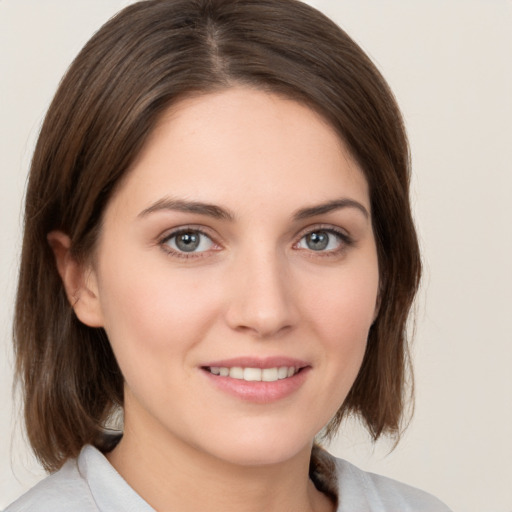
(261, 301)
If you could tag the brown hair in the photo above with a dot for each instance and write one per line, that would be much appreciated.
(146, 58)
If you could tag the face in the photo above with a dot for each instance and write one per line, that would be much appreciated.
(236, 277)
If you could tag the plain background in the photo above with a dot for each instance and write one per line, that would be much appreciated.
(450, 65)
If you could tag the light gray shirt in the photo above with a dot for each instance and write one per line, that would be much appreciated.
(91, 484)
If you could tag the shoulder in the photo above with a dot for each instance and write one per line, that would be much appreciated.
(86, 484)
(62, 491)
(360, 490)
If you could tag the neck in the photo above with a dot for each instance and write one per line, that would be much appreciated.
(175, 476)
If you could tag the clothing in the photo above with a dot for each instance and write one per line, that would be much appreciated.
(91, 484)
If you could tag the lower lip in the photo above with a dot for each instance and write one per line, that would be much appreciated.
(259, 391)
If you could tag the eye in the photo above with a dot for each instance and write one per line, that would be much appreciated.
(322, 240)
(188, 241)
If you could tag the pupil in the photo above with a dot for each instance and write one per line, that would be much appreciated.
(317, 241)
(187, 242)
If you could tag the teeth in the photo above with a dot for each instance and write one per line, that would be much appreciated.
(255, 374)
(252, 374)
(282, 372)
(236, 372)
(270, 374)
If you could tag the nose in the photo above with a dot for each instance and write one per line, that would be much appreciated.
(262, 301)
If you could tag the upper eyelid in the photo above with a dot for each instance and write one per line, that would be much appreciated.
(323, 227)
(204, 230)
(345, 239)
(169, 233)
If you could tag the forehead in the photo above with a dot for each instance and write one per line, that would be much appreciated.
(244, 144)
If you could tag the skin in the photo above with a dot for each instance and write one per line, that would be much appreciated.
(254, 287)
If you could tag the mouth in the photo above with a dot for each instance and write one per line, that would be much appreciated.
(258, 380)
(250, 374)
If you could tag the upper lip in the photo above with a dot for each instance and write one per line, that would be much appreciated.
(257, 362)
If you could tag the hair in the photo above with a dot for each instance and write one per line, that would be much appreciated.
(146, 58)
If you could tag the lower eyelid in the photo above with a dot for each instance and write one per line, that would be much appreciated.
(163, 242)
(343, 238)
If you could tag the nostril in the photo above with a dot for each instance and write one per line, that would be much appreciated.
(263, 330)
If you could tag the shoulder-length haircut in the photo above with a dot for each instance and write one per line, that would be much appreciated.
(143, 60)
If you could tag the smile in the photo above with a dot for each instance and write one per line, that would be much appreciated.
(254, 374)
(258, 380)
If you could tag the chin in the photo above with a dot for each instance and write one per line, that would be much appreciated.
(262, 447)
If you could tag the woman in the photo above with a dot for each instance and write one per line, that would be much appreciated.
(219, 244)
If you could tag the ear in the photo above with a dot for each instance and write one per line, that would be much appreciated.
(79, 280)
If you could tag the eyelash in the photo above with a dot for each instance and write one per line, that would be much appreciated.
(345, 241)
(181, 231)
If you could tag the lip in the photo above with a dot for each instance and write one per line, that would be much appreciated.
(258, 391)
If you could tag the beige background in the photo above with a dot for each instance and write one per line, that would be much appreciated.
(450, 65)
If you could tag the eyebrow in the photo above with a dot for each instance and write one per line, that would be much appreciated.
(329, 206)
(217, 212)
(181, 205)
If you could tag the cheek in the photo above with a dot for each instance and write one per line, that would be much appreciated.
(153, 315)
(341, 315)
(344, 301)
